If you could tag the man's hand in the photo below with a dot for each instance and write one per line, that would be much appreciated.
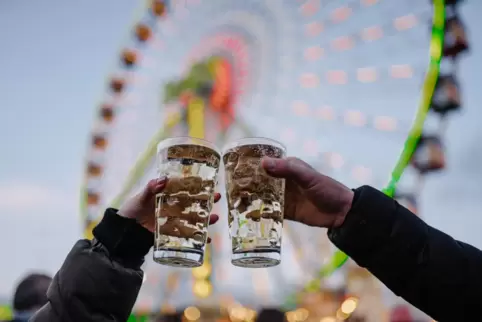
(311, 198)
(142, 206)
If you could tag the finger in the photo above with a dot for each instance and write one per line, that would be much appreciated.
(292, 168)
(153, 187)
(217, 197)
(213, 219)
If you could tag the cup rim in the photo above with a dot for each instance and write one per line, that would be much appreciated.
(240, 142)
(189, 140)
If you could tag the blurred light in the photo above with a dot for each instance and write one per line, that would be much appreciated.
(361, 174)
(341, 316)
(401, 71)
(349, 305)
(144, 306)
(314, 28)
(405, 22)
(367, 74)
(238, 313)
(309, 80)
(343, 43)
(192, 313)
(369, 2)
(167, 309)
(336, 160)
(341, 14)
(372, 33)
(385, 123)
(250, 315)
(355, 118)
(202, 288)
(328, 319)
(301, 108)
(337, 77)
(290, 316)
(314, 53)
(310, 7)
(301, 314)
(225, 302)
(326, 113)
(202, 272)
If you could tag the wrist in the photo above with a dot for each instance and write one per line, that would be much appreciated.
(123, 237)
(129, 213)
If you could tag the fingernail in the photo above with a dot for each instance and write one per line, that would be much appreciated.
(161, 180)
(269, 163)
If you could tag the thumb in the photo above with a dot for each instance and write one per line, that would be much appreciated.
(292, 168)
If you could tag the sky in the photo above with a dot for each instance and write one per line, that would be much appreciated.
(53, 61)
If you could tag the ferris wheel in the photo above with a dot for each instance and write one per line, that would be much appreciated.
(345, 85)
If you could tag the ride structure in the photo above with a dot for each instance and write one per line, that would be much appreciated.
(337, 82)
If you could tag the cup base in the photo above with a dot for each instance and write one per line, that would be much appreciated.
(178, 258)
(256, 258)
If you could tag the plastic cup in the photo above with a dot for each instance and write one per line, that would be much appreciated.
(255, 202)
(182, 209)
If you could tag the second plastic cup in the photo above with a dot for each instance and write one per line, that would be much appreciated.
(255, 202)
(183, 208)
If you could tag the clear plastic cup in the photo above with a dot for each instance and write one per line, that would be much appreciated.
(182, 209)
(255, 202)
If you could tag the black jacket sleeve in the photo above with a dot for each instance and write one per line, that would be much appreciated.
(428, 268)
(100, 279)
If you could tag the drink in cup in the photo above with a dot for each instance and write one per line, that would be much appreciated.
(182, 209)
(255, 202)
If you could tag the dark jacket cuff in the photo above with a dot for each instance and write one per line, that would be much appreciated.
(367, 225)
(123, 237)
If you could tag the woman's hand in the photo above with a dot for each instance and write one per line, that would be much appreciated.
(142, 206)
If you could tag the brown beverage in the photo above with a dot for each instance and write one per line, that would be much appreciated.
(255, 203)
(183, 208)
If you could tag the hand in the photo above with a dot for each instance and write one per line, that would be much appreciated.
(142, 206)
(311, 198)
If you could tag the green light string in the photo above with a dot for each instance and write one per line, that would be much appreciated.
(138, 318)
(436, 49)
(6, 313)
